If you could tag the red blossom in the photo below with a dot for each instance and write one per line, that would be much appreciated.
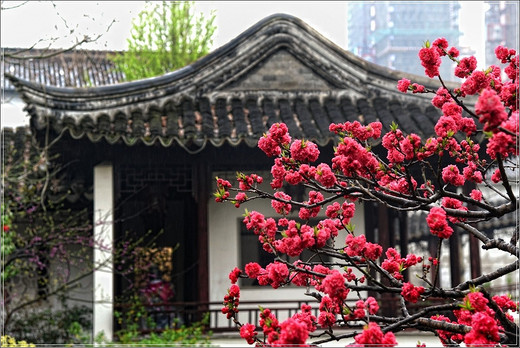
(490, 109)
(454, 52)
(502, 53)
(304, 151)
(234, 274)
(497, 176)
(505, 303)
(475, 83)
(293, 332)
(334, 286)
(453, 203)
(504, 143)
(403, 85)
(248, 332)
(373, 336)
(277, 273)
(231, 301)
(451, 175)
(412, 293)
(466, 67)
(442, 45)
(372, 305)
(282, 208)
(430, 60)
(325, 176)
(438, 224)
(477, 301)
(476, 195)
(442, 96)
(484, 331)
(253, 269)
(417, 88)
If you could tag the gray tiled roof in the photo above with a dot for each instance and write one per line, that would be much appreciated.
(278, 70)
(55, 67)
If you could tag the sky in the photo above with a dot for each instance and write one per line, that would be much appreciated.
(42, 22)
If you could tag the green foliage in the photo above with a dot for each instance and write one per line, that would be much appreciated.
(165, 36)
(70, 325)
(191, 335)
(8, 341)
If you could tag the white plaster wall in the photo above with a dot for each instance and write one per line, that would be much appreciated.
(12, 113)
(224, 248)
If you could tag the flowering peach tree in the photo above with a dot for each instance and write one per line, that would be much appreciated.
(456, 155)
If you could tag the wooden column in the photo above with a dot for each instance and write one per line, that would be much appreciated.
(474, 247)
(370, 210)
(202, 196)
(455, 258)
(103, 311)
(403, 239)
(388, 301)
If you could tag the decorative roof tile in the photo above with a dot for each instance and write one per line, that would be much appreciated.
(279, 70)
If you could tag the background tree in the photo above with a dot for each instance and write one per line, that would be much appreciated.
(165, 37)
(47, 245)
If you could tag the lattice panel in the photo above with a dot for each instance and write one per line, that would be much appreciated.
(133, 178)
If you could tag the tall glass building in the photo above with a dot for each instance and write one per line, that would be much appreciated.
(501, 27)
(390, 33)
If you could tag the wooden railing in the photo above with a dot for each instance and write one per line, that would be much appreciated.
(178, 313)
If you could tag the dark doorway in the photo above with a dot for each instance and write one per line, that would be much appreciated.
(165, 219)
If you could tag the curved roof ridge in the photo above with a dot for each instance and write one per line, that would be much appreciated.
(274, 22)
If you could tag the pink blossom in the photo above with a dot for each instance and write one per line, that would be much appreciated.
(293, 332)
(497, 176)
(484, 331)
(512, 69)
(403, 84)
(490, 109)
(373, 336)
(234, 274)
(442, 45)
(372, 305)
(442, 96)
(325, 176)
(277, 273)
(253, 269)
(248, 332)
(334, 286)
(304, 151)
(466, 67)
(430, 60)
(476, 195)
(412, 293)
(326, 319)
(502, 53)
(446, 126)
(503, 143)
(282, 208)
(269, 146)
(454, 52)
(417, 88)
(451, 175)
(438, 224)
